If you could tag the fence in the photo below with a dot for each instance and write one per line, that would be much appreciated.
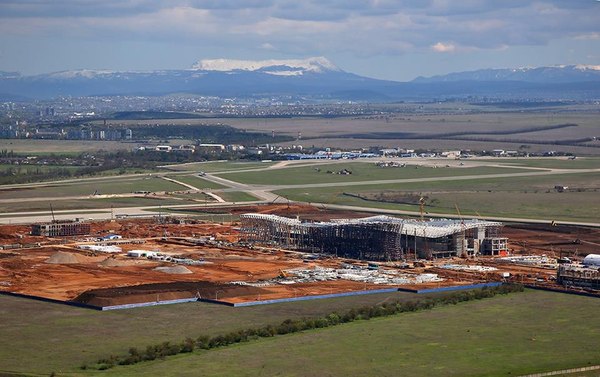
(565, 371)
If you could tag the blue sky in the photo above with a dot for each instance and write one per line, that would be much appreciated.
(397, 40)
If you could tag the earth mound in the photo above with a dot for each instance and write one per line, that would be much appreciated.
(178, 270)
(62, 257)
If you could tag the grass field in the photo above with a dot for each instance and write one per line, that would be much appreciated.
(236, 196)
(196, 181)
(361, 171)
(82, 204)
(528, 197)
(37, 147)
(103, 187)
(46, 337)
(579, 163)
(214, 166)
(517, 334)
(23, 169)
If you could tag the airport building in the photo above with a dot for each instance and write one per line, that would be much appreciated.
(586, 275)
(377, 237)
(60, 228)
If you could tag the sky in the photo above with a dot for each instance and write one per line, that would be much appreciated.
(386, 39)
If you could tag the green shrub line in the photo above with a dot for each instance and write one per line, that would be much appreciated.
(289, 326)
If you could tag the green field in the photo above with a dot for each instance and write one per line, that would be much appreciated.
(528, 197)
(516, 334)
(82, 204)
(215, 166)
(46, 337)
(553, 163)
(102, 186)
(38, 147)
(196, 181)
(24, 169)
(361, 171)
(236, 196)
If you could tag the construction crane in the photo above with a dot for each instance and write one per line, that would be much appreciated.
(52, 212)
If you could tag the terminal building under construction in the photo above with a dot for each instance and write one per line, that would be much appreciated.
(61, 228)
(377, 237)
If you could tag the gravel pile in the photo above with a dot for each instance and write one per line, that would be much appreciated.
(174, 270)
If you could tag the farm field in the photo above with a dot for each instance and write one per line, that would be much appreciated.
(440, 145)
(479, 127)
(422, 118)
(361, 171)
(509, 335)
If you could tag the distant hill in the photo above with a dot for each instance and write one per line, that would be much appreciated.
(315, 78)
(542, 75)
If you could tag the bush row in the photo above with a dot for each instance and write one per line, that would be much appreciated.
(204, 342)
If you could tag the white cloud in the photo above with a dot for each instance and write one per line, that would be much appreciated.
(267, 46)
(443, 47)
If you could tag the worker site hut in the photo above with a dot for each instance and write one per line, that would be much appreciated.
(376, 237)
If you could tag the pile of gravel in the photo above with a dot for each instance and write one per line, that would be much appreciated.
(62, 257)
(174, 270)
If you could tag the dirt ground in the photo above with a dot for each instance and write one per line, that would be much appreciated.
(56, 268)
(572, 241)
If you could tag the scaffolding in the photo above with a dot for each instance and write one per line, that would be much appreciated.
(578, 276)
(370, 238)
(61, 228)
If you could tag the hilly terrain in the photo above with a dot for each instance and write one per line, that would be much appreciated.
(313, 78)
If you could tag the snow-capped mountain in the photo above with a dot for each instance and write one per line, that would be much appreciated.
(547, 75)
(313, 77)
(290, 67)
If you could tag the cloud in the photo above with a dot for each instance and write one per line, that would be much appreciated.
(310, 27)
(267, 46)
(443, 47)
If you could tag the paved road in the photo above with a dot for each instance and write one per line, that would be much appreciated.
(259, 192)
(490, 218)
(412, 180)
(104, 213)
(265, 194)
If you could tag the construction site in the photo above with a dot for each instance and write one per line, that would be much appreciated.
(269, 253)
(380, 238)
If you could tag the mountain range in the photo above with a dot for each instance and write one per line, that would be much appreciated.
(316, 78)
